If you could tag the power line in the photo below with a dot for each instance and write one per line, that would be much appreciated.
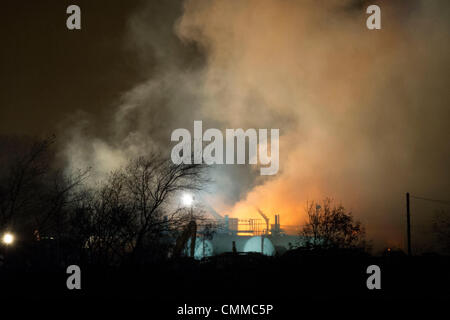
(432, 200)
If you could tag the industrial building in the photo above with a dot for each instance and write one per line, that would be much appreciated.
(240, 236)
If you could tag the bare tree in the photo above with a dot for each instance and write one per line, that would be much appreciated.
(33, 192)
(150, 183)
(330, 226)
(20, 181)
(132, 213)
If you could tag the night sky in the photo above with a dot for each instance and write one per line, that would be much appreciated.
(50, 73)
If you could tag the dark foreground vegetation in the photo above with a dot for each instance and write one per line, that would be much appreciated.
(295, 282)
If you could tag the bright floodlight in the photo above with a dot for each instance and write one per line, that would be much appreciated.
(8, 238)
(187, 199)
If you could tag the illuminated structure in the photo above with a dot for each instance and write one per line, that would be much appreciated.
(260, 244)
(247, 235)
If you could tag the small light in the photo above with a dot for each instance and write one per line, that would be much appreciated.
(8, 238)
(187, 199)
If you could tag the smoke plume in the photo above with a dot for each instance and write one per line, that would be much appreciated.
(363, 115)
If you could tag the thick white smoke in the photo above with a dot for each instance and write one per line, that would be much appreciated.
(363, 115)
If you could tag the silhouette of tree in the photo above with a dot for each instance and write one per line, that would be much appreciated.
(331, 227)
(33, 192)
(130, 216)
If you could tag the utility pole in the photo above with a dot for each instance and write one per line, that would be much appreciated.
(408, 223)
